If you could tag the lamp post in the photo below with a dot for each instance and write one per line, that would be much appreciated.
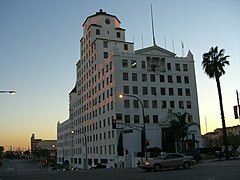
(86, 149)
(10, 92)
(144, 148)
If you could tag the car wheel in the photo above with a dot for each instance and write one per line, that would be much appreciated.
(157, 167)
(186, 165)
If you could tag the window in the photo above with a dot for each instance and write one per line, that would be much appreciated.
(124, 63)
(162, 79)
(127, 118)
(170, 79)
(119, 116)
(125, 76)
(136, 118)
(126, 47)
(105, 44)
(187, 91)
(177, 67)
(169, 66)
(134, 76)
(145, 104)
(170, 91)
(135, 104)
(172, 104)
(105, 54)
(153, 91)
(189, 106)
(145, 90)
(164, 104)
(147, 119)
(118, 35)
(154, 103)
(190, 118)
(180, 103)
(179, 80)
(133, 63)
(144, 77)
(163, 91)
(185, 67)
(97, 31)
(186, 79)
(110, 65)
(143, 65)
(155, 118)
(126, 89)
(135, 90)
(126, 103)
(180, 93)
(152, 77)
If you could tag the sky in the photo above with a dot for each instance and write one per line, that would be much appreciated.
(39, 48)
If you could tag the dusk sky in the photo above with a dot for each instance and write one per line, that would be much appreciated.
(39, 48)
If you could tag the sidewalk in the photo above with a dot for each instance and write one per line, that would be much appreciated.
(217, 160)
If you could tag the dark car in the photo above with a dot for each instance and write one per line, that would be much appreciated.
(195, 153)
(98, 166)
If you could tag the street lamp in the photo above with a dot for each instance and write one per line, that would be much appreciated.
(144, 148)
(10, 92)
(86, 149)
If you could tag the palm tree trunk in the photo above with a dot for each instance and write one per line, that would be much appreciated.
(225, 138)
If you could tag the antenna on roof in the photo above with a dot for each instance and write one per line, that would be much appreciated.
(154, 42)
(182, 49)
(165, 43)
(173, 46)
(142, 40)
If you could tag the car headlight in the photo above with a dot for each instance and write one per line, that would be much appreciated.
(147, 163)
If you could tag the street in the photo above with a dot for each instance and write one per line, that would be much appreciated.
(207, 170)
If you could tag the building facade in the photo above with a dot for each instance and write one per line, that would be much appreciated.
(152, 78)
(34, 143)
(209, 138)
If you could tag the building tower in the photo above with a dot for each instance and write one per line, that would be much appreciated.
(108, 67)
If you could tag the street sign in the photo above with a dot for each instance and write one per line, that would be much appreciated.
(128, 131)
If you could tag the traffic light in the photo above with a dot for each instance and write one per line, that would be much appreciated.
(114, 123)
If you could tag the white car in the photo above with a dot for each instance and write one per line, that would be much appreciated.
(168, 160)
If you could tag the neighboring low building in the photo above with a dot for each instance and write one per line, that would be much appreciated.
(34, 143)
(217, 133)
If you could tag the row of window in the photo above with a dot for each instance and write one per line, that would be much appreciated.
(153, 90)
(158, 104)
(134, 64)
(96, 137)
(149, 119)
(153, 78)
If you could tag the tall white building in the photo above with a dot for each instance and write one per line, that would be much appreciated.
(154, 78)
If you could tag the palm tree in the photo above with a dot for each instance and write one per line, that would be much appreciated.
(213, 64)
(179, 128)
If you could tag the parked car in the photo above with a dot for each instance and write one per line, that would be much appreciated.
(98, 166)
(195, 153)
(76, 169)
(168, 160)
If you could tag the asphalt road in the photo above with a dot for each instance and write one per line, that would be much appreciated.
(208, 170)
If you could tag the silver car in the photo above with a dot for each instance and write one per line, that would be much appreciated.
(168, 160)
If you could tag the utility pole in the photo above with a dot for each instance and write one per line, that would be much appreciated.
(238, 105)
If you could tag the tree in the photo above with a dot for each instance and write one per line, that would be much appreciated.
(213, 64)
(179, 129)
